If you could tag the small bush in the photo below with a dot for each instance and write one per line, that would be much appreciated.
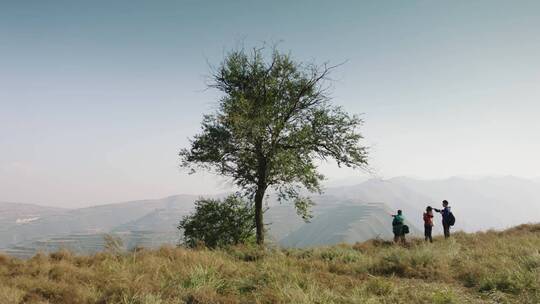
(392, 263)
(471, 277)
(501, 281)
(379, 287)
(217, 223)
(444, 297)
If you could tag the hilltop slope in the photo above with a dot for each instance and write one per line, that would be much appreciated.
(492, 267)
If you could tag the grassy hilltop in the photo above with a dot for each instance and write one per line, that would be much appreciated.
(491, 267)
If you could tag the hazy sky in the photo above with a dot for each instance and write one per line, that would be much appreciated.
(97, 97)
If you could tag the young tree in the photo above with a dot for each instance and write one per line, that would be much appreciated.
(217, 223)
(273, 121)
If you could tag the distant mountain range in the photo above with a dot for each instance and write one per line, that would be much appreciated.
(342, 214)
(54, 228)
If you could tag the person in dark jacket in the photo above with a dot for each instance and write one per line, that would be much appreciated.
(445, 212)
(428, 224)
(397, 227)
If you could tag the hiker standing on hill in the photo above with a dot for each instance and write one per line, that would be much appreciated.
(447, 218)
(398, 227)
(428, 224)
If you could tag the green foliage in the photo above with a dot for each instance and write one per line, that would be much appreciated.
(273, 122)
(219, 223)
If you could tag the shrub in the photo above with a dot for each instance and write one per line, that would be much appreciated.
(217, 223)
(501, 281)
(379, 287)
(444, 297)
(392, 263)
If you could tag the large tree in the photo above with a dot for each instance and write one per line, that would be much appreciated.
(273, 123)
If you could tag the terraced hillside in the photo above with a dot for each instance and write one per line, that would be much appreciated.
(82, 230)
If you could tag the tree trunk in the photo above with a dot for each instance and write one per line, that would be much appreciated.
(259, 224)
(259, 194)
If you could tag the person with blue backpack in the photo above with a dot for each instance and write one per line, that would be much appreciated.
(448, 218)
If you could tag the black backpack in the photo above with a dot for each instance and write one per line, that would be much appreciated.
(405, 229)
(451, 219)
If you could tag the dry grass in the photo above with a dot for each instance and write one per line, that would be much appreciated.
(490, 267)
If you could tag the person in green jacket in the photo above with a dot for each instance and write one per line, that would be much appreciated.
(397, 227)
